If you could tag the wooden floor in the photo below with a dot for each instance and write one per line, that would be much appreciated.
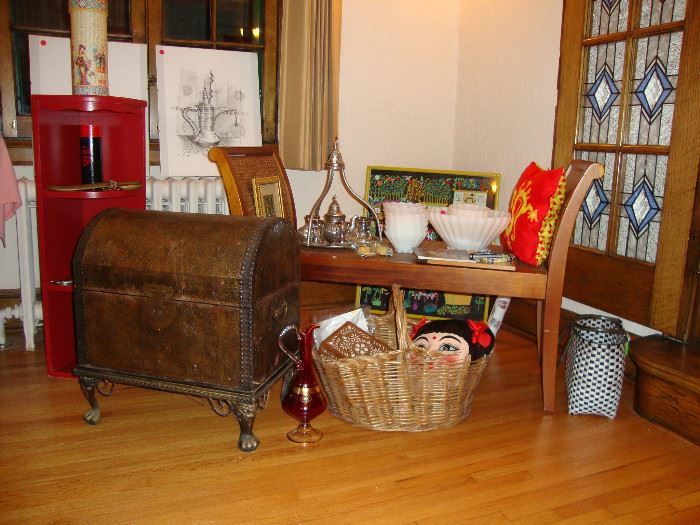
(167, 459)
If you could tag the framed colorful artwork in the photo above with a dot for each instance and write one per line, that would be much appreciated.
(267, 192)
(433, 188)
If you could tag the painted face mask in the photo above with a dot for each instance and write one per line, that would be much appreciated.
(453, 338)
(453, 346)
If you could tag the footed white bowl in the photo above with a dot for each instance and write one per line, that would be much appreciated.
(406, 225)
(462, 232)
(404, 242)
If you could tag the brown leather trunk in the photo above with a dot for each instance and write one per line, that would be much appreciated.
(186, 303)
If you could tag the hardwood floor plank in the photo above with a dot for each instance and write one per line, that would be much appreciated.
(159, 458)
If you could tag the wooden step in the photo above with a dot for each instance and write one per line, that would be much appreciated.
(667, 390)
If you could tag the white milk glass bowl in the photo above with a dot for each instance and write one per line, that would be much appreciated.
(467, 232)
(406, 229)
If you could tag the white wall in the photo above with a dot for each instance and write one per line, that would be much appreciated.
(398, 88)
(506, 86)
(442, 85)
(411, 74)
(455, 84)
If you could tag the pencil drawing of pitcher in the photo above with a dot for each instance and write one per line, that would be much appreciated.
(205, 115)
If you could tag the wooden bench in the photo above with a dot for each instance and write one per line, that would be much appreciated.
(544, 284)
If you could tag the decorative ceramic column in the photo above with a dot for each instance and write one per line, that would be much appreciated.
(88, 42)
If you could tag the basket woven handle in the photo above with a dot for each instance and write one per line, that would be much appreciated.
(401, 322)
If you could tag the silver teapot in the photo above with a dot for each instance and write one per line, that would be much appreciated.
(334, 226)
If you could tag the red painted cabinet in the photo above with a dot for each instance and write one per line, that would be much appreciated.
(62, 215)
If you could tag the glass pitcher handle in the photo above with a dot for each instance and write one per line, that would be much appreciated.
(280, 341)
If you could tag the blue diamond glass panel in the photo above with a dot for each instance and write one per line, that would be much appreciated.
(653, 96)
(655, 12)
(591, 229)
(600, 97)
(594, 204)
(608, 16)
(641, 206)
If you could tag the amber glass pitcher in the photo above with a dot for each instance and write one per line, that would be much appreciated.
(305, 399)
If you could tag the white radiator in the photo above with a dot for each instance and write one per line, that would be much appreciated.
(179, 194)
(187, 194)
(29, 309)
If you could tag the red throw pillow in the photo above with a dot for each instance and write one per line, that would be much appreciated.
(534, 210)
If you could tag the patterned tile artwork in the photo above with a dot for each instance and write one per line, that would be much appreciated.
(653, 89)
(643, 179)
(655, 12)
(609, 5)
(591, 229)
(601, 94)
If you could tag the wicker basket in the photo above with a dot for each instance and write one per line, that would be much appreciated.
(402, 389)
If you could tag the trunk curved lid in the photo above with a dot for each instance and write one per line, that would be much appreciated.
(188, 257)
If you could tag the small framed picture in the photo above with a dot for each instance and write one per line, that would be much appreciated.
(267, 192)
(471, 197)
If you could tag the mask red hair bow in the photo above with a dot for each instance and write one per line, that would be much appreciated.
(479, 333)
(417, 327)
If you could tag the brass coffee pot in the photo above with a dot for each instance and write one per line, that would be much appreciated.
(206, 115)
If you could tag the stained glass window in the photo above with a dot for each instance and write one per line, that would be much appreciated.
(608, 16)
(591, 230)
(641, 203)
(621, 213)
(655, 12)
(600, 107)
(654, 88)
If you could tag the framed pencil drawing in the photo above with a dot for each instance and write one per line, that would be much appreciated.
(434, 188)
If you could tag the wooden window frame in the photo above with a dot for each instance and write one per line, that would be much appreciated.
(146, 22)
(671, 303)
